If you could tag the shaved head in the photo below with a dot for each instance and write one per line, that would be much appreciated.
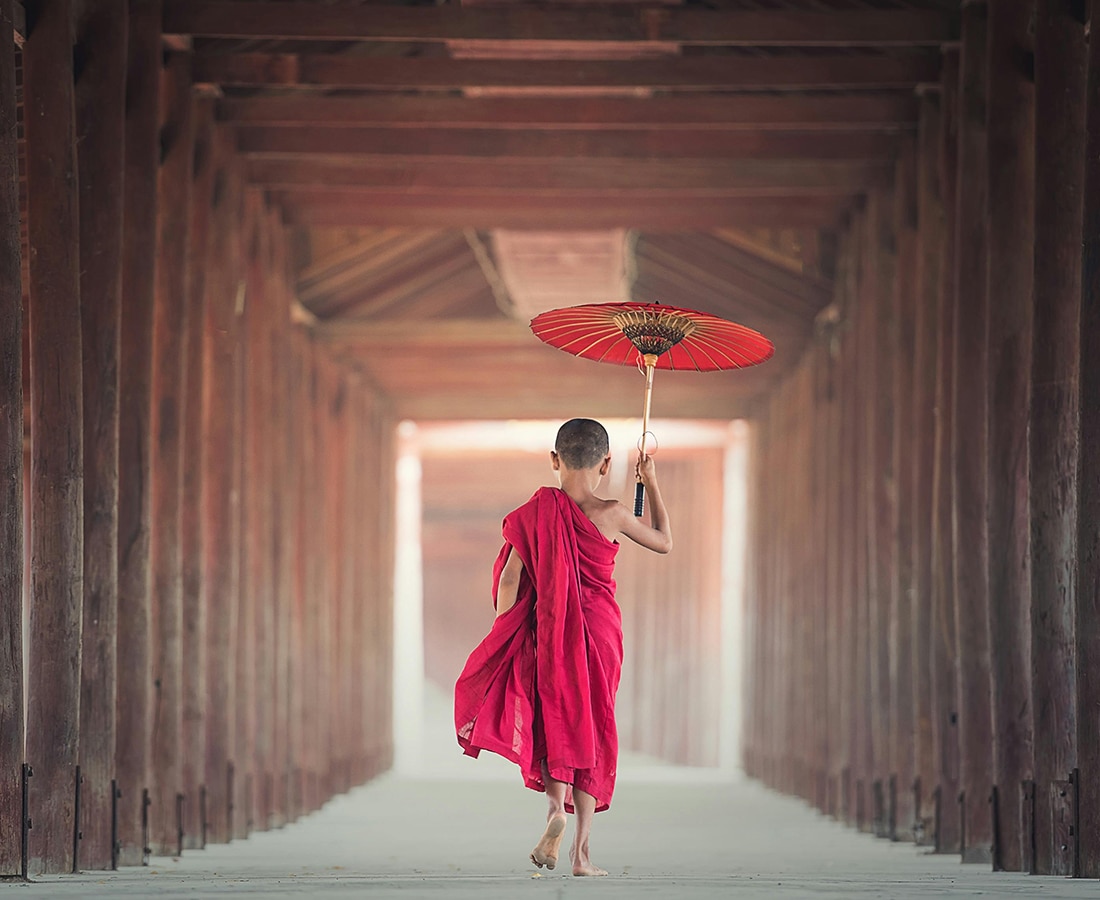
(581, 443)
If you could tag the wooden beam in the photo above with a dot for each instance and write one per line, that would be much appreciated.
(564, 144)
(134, 703)
(682, 73)
(101, 121)
(643, 25)
(18, 23)
(747, 179)
(878, 111)
(520, 209)
(11, 468)
(1087, 633)
(57, 458)
(1061, 70)
(1011, 199)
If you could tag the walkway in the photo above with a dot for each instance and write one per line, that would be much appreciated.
(674, 836)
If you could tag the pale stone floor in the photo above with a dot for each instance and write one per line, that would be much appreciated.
(671, 833)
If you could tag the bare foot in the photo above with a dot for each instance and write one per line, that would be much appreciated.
(582, 865)
(546, 850)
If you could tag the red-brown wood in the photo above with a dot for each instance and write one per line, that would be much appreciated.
(193, 744)
(971, 442)
(101, 27)
(166, 461)
(926, 363)
(944, 640)
(1061, 63)
(56, 545)
(1011, 212)
(134, 703)
(11, 466)
(221, 487)
(658, 144)
(679, 73)
(1087, 625)
(350, 22)
(886, 111)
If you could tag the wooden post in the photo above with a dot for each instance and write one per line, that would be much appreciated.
(11, 465)
(1087, 632)
(134, 702)
(220, 488)
(1061, 63)
(100, 120)
(926, 363)
(944, 643)
(1011, 198)
(902, 668)
(169, 400)
(969, 449)
(57, 498)
(193, 745)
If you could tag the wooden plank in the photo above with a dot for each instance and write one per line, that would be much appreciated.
(134, 702)
(53, 231)
(819, 72)
(519, 209)
(926, 362)
(221, 486)
(683, 148)
(193, 745)
(351, 22)
(945, 732)
(11, 467)
(780, 112)
(746, 179)
(100, 122)
(166, 461)
(1011, 198)
(971, 442)
(1087, 625)
(1061, 63)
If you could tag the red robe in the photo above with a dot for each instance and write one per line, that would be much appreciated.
(542, 684)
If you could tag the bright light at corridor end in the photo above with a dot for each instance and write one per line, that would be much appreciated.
(424, 741)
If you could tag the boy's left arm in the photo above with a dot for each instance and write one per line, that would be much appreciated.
(656, 536)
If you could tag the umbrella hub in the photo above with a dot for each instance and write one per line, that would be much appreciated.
(654, 333)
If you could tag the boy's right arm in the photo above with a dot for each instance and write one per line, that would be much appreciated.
(508, 586)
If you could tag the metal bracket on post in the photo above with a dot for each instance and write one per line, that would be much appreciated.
(961, 800)
(1027, 826)
(202, 817)
(860, 817)
(997, 851)
(146, 802)
(78, 835)
(878, 821)
(892, 808)
(1075, 780)
(230, 806)
(116, 844)
(249, 805)
(179, 824)
(1063, 815)
(937, 819)
(26, 826)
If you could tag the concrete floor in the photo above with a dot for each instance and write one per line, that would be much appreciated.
(671, 833)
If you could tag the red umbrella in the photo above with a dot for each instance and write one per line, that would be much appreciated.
(654, 336)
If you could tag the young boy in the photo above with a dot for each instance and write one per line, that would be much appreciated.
(540, 689)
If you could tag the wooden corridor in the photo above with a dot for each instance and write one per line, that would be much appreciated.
(241, 240)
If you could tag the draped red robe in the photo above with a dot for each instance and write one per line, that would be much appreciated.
(542, 684)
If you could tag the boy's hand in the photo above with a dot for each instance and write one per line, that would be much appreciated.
(646, 469)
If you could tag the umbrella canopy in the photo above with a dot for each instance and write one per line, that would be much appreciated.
(666, 337)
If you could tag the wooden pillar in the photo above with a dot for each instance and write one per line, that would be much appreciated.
(969, 449)
(57, 499)
(134, 701)
(1011, 211)
(1060, 79)
(193, 612)
(221, 487)
(902, 670)
(944, 644)
(101, 27)
(169, 400)
(11, 464)
(925, 365)
(1087, 630)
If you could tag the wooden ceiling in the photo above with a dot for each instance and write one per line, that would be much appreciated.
(728, 140)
